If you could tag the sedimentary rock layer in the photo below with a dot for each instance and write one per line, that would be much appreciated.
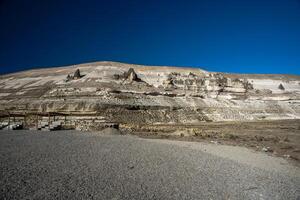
(126, 93)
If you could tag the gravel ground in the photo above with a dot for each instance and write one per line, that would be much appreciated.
(76, 165)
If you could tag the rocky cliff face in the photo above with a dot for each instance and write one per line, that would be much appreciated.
(124, 93)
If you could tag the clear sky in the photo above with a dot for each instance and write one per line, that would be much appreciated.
(242, 36)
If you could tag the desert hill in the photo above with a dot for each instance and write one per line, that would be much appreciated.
(136, 94)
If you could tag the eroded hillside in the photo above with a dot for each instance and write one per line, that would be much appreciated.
(135, 94)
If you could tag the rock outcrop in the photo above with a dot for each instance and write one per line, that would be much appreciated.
(124, 93)
(131, 76)
(77, 74)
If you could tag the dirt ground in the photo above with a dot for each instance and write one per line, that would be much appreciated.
(277, 137)
(71, 164)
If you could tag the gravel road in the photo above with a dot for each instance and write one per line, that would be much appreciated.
(76, 165)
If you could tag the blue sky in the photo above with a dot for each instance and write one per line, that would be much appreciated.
(241, 36)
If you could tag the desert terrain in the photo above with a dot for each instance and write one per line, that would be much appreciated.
(107, 165)
(260, 111)
(109, 130)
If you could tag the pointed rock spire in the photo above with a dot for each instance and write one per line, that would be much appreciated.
(77, 74)
(131, 75)
(281, 87)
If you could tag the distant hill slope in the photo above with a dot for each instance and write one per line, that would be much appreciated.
(128, 93)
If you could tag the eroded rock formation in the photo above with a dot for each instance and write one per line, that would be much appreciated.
(134, 94)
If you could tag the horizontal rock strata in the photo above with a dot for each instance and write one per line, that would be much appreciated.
(133, 94)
